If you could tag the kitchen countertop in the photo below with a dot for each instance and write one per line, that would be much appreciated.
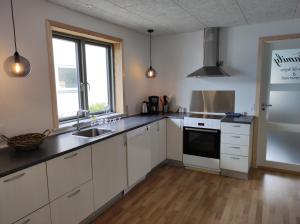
(241, 119)
(56, 145)
(12, 161)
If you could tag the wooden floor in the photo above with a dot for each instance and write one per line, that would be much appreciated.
(175, 195)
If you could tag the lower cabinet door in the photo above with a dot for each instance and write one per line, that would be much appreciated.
(234, 162)
(22, 193)
(138, 155)
(41, 216)
(174, 139)
(109, 169)
(74, 206)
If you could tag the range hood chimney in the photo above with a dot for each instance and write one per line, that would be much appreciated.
(211, 64)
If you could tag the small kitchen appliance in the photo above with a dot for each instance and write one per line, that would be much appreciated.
(153, 104)
(145, 107)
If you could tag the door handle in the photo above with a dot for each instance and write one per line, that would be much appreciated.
(14, 178)
(74, 193)
(264, 106)
(71, 156)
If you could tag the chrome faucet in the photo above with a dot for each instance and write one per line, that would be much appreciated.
(86, 112)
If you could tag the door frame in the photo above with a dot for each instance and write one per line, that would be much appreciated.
(260, 160)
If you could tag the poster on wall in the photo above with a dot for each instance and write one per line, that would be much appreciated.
(285, 67)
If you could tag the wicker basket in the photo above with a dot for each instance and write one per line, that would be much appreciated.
(27, 141)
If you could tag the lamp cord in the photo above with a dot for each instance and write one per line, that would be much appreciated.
(150, 51)
(13, 22)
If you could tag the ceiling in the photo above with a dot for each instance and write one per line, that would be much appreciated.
(177, 16)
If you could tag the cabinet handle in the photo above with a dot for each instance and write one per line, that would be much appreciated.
(235, 147)
(236, 126)
(26, 221)
(236, 158)
(71, 156)
(236, 136)
(74, 193)
(14, 178)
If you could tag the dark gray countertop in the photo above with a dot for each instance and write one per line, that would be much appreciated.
(12, 161)
(241, 119)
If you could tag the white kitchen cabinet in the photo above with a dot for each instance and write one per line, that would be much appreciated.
(109, 169)
(174, 139)
(23, 192)
(157, 132)
(236, 149)
(153, 132)
(74, 206)
(234, 163)
(68, 172)
(41, 216)
(138, 155)
(162, 139)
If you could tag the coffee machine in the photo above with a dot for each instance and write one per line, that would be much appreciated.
(153, 104)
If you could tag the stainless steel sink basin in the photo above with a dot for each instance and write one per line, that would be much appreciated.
(94, 132)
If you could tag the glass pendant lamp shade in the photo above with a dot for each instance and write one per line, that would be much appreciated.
(151, 72)
(17, 66)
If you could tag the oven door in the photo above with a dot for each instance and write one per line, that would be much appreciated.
(201, 142)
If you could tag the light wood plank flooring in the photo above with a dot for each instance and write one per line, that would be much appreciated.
(174, 195)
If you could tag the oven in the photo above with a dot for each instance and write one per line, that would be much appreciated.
(201, 142)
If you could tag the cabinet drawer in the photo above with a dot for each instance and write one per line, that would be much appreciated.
(23, 192)
(68, 172)
(73, 207)
(241, 150)
(235, 139)
(41, 216)
(233, 162)
(242, 129)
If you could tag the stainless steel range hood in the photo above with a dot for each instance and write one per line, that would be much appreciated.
(211, 64)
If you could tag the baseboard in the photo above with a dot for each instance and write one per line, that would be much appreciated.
(91, 218)
(202, 169)
(172, 162)
(235, 174)
(278, 170)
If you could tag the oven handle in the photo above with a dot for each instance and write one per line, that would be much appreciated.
(201, 130)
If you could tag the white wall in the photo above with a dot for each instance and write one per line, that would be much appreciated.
(176, 56)
(25, 104)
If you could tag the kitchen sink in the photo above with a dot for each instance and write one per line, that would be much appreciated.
(94, 132)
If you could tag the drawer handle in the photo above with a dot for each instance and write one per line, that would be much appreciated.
(71, 156)
(26, 221)
(74, 193)
(14, 178)
(236, 158)
(235, 136)
(235, 147)
(236, 126)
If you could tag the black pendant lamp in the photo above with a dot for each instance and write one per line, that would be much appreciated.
(150, 73)
(16, 65)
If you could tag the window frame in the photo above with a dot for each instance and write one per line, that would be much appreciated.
(82, 73)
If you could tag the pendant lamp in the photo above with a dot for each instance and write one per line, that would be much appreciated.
(16, 65)
(151, 72)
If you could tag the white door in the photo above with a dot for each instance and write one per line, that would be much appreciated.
(279, 111)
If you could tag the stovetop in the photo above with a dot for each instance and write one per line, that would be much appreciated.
(207, 116)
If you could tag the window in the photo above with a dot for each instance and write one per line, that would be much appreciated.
(83, 75)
